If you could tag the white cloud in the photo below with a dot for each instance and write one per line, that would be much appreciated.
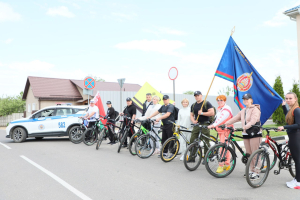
(34, 66)
(8, 41)
(161, 46)
(278, 20)
(60, 11)
(121, 16)
(7, 13)
(164, 30)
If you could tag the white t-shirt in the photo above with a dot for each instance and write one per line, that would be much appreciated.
(94, 109)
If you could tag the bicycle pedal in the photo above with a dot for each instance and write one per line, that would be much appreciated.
(276, 172)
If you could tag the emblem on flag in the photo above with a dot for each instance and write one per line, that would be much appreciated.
(244, 82)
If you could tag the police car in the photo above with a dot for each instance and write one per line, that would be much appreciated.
(47, 122)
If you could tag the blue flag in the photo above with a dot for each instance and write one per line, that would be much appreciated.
(235, 67)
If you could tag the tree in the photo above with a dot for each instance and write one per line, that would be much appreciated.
(189, 92)
(98, 79)
(296, 90)
(12, 104)
(228, 91)
(278, 116)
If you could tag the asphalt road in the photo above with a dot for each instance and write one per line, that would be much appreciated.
(55, 168)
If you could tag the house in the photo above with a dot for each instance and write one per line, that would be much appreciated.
(41, 92)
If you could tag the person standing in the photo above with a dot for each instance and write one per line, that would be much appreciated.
(147, 103)
(129, 111)
(184, 120)
(110, 116)
(203, 119)
(167, 111)
(224, 113)
(153, 108)
(250, 115)
(292, 118)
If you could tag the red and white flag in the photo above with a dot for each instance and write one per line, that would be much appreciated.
(98, 103)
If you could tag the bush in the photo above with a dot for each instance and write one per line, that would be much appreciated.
(296, 90)
(12, 104)
(278, 116)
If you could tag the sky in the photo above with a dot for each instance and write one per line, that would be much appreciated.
(141, 40)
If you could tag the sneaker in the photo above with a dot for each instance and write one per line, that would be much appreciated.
(203, 162)
(293, 185)
(190, 161)
(113, 143)
(226, 167)
(171, 155)
(157, 151)
(291, 182)
(165, 154)
(220, 169)
(249, 174)
(109, 143)
(181, 158)
(254, 177)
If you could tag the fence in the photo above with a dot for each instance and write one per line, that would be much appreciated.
(114, 97)
(4, 120)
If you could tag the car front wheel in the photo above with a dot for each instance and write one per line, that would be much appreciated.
(19, 135)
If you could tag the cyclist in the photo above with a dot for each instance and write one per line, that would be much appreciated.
(152, 108)
(250, 115)
(167, 111)
(293, 130)
(92, 114)
(224, 114)
(184, 120)
(129, 111)
(147, 103)
(110, 116)
(203, 119)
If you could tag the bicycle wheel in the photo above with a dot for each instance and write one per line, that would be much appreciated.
(91, 137)
(258, 160)
(192, 157)
(220, 162)
(272, 155)
(169, 149)
(124, 137)
(132, 141)
(292, 166)
(215, 141)
(100, 139)
(145, 146)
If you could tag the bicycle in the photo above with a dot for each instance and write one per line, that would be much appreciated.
(104, 132)
(123, 134)
(146, 143)
(142, 130)
(193, 154)
(217, 154)
(90, 135)
(261, 161)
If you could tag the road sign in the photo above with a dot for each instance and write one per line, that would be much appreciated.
(88, 92)
(121, 81)
(89, 83)
(173, 73)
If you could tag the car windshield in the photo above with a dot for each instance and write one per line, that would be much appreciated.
(45, 113)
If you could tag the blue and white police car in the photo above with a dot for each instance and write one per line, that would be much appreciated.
(48, 122)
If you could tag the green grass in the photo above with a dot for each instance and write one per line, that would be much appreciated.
(239, 133)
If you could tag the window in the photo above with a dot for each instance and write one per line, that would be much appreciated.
(63, 111)
(29, 108)
(45, 113)
(33, 106)
(76, 110)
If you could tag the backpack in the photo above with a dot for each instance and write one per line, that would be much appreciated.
(176, 110)
(211, 118)
(116, 115)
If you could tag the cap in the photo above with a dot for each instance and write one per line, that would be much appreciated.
(128, 99)
(247, 96)
(197, 93)
(108, 102)
(92, 101)
(165, 97)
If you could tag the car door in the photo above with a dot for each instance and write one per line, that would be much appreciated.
(65, 118)
(42, 121)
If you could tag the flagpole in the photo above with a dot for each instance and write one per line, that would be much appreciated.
(232, 31)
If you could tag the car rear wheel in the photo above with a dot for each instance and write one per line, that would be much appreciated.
(19, 135)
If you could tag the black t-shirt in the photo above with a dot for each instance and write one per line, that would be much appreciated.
(205, 108)
(111, 113)
(164, 109)
(129, 111)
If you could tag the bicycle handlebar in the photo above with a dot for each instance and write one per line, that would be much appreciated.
(230, 128)
(178, 125)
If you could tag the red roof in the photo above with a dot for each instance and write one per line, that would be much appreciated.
(109, 86)
(65, 89)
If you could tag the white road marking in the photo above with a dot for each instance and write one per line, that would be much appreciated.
(59, 180)
(5, 145)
